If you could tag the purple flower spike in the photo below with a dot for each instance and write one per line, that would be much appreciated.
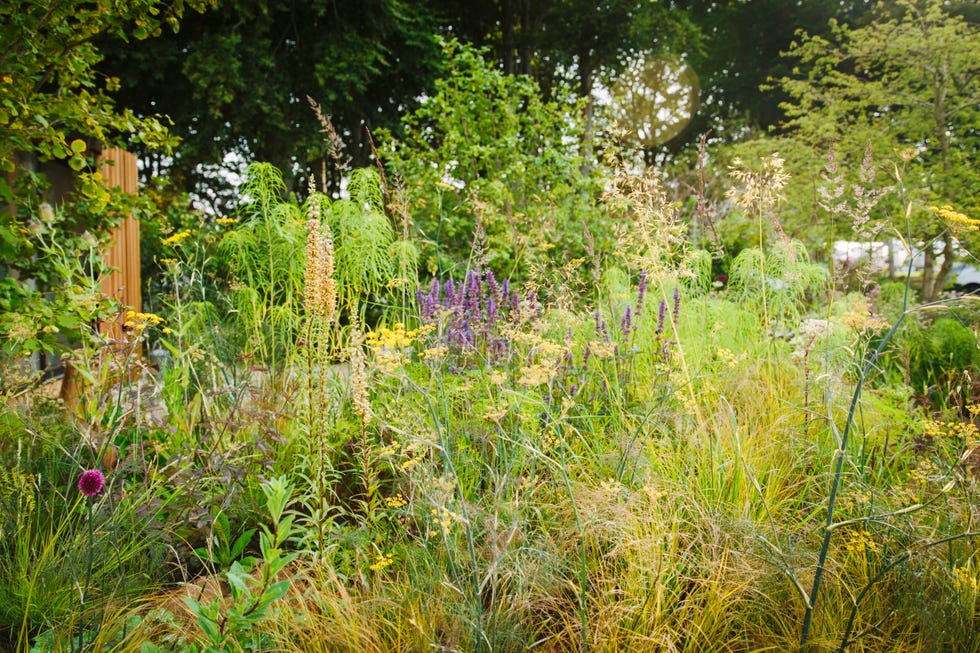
(91, 482)
(661, 316)
(626, 324)
(641, 292)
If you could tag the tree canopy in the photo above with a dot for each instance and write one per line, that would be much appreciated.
(909, 80)
(235, 81)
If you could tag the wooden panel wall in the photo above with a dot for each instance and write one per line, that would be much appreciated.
(118, 168)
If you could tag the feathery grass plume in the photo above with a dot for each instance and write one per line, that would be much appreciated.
(866, 197)
(335, 146)
(359, 375)
(321, 287)
(649, 232)
(759, 189)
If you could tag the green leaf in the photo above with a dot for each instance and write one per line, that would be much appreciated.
(238, 580)
(241, 542)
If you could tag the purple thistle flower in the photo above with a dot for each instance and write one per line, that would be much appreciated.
(91, 482)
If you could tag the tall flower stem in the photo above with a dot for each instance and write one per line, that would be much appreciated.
(88, 570)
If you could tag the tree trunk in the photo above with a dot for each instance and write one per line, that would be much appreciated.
(934, 279)
(928, 270)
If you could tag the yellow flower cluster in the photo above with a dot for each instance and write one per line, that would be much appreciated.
(396, 501)
(388, 345)
(602, 349)
(394, 338)
(435, 353)
(955, 219)
(860, 542)
(408, 451)
(136, 322)
(176, 238)
(966, 431)
(381, 561)
(731, 360)
(860, 320)
(495, 414)
(965, 579)
(539, 373)
(226, 221)
(442, 521)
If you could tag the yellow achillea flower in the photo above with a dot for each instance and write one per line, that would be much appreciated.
(860, 542)
(396, 501)
(956, 220)
(382, 561)
(966, 579)
(176, 238)
(136, 322)
(226, 221)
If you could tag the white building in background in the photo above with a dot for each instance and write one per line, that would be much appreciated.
(884, 256)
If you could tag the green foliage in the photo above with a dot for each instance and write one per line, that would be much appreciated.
(264, 258)
(364, 242)
(252, 595)
(53, 106)
(490, 173)
(904, 82)
(59, 307)
(939, 353)
(782, 277)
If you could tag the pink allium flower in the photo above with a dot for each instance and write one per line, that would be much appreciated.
(91, 482)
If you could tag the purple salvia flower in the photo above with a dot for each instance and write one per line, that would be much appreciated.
(661, 317)
(677, 303)
(492, 313)
(597, 318)
(641, 291)
(626, 324)
(492, 286)
(450, 291)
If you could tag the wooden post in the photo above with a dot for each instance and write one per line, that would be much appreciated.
(118, 169)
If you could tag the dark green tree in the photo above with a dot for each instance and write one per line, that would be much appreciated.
(235, 82)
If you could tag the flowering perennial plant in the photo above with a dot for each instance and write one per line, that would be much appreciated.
(474, 317)
(91, 483)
